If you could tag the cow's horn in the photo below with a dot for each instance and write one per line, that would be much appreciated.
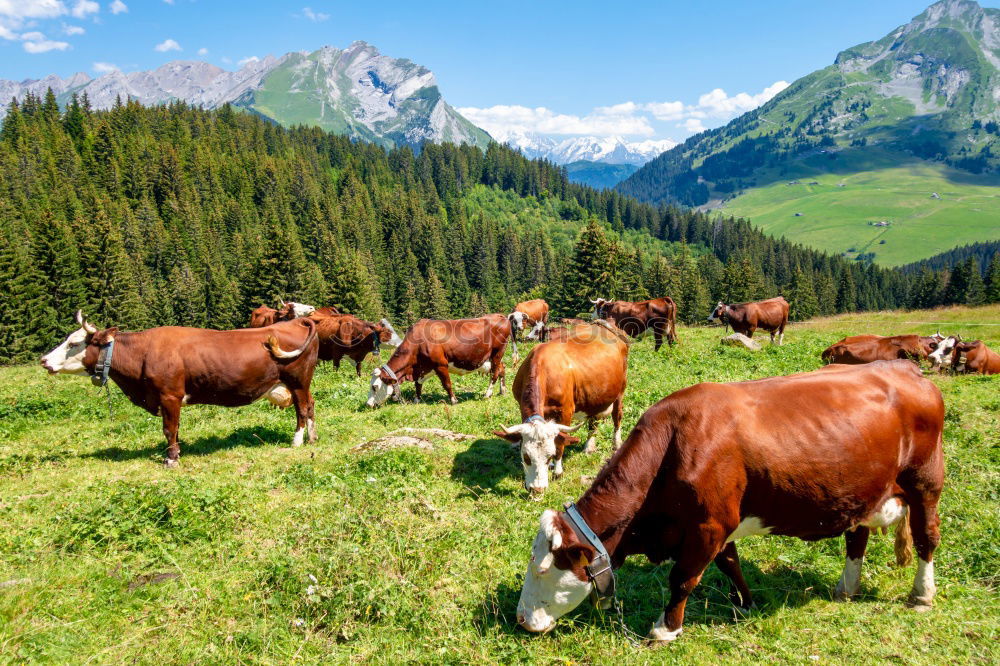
(87, 326)
(574, 428)
(514, 429)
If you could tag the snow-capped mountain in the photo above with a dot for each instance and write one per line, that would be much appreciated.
(355, 91)
(605, 150)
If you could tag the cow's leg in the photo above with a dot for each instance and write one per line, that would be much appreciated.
(591, 445)
(781, 334)
(657, 337)
(303, 414)
(617, 410)
(924, 523)
(701, 545)
(728, 562)
(856, 541)
(418, 385)
(496, 372)
(170, 410)
(357, 366)
(445, 377)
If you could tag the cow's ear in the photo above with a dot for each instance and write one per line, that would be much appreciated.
(568, 439)
(514, 437)
(577, 554)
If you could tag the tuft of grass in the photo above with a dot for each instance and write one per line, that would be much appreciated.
(253, 551)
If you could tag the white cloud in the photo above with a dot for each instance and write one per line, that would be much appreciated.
(7, 33)
(169, 2)
(247, 60)
(666, 111)
(84, 7)
(105, 67)
(315, 17)
(504, 119)
(118, 7)
(71, 30)
(203, 51)
(694, 125)
(44, 46)
(31, 9)
(32, 36)
(167, 45)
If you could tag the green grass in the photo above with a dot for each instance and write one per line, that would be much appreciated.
(836, 218)
(418, 555)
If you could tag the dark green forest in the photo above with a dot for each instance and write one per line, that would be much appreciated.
(176, 215)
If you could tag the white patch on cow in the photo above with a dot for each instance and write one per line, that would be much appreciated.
(781, 339)
(394, 341)
(484, 368)
(549, 592)
(185, 399)
(660, 633)
(299, 435)
(850, 579)
(67, 358)
(538, 446)
(590, 446)
(489, 390)
(888, 514)
(536, 330)
(302, 310)
(517, 319)
(618, 438)
(379, 391)
(942, 355)
(557, 468)
(311, 429)
(749, 526)
(924, 588)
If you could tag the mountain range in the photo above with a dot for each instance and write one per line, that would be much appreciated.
(355, 91)
(603, 150)
(902, 130)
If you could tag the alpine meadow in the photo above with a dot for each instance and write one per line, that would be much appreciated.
(676, 377)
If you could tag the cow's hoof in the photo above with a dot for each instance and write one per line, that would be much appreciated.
(416, 401)
(171, 462)
(919, 605)
(454, 401)
(661, 636)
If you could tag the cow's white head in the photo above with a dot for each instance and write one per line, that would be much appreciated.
(518, 320)
(394, 340)
(941, 356)
(301, 309)
(67, 358)
(538, 440)
(556, 581)
(718, 312)
(382, 387)
(536, 330)
(599, 307)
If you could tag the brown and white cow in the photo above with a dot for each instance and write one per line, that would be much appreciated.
(265, 316)
(979, 358)
(531, 315)
(346, 335)
(840, 450)
(858, 349)
(583, 377)
(163, 369)
(444, 346)
(658, 315)
(770, 315)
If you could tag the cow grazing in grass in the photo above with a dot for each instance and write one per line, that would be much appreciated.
(163, 369)
(443, 347)
(265, 316)
(840, 450)
(582, 377)
(858, 349)
(978, 358)
(770, 315)
(346, 335)
(658, 315)
(532, 316)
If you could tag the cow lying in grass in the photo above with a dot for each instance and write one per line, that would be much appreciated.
(840, 450)
(163, 369)
(858, 349)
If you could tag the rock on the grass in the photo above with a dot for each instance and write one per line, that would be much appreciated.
(740, 340)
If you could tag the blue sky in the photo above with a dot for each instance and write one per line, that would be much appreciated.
(583, 63)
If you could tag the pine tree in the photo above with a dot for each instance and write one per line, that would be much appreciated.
(588, 275)
(975, 291)
(802, 296)
(993, 280)
(847, 296)
(435, 302)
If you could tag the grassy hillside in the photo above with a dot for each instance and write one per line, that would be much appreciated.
(838, 197)
(274, 555)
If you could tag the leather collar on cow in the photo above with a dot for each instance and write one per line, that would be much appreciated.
(600, 573)
(389, 372)
(99, 375)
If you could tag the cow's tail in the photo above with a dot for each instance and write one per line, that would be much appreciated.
(904, 540)
(278, 352)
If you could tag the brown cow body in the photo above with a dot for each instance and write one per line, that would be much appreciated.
(858, 349)
(583, 377)
(443, 347)
(979, 358)
(835, 451)
(346, 335)
(265, 316)
(770, 315)
(534, 316)
(162, 369)
(658, 315)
